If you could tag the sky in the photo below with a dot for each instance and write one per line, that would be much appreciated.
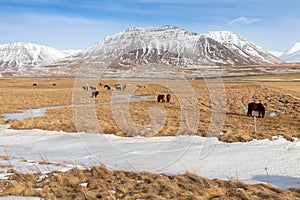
(74, 24)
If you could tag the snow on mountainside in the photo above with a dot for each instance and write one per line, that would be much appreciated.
(292, 54)
(23, 54)
(170, 46)
(243, 47)
(276, 53)
(71, 52)
(177, 47)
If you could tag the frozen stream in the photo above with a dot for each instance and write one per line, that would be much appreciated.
(39, 112)
(276, 162)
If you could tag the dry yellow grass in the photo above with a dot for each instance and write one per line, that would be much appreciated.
(101, 183)
(17, 94)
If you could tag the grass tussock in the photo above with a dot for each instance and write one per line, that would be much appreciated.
(101, 183)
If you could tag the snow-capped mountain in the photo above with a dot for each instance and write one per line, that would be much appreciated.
(253, 53)
(173, 46)
(23, 54)
(135, 47)
(292, 54)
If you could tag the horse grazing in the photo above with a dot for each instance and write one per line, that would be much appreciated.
(85, 88)
(118, 87)
(256, 107)
(168, 98)
(161, 97)
(95, 93)
(92, 88)
(107, 87)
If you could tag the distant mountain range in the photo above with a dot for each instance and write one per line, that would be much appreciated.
(18, 57)
(167, 45)
(28, 54)
(292, 54)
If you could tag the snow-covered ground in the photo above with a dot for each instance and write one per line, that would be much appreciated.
(276, 162)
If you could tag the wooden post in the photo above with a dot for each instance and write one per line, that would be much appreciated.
(254, 123)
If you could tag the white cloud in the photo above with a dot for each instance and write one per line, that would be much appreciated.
(244, 20)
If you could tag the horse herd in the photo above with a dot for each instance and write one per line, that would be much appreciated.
(35, 84)
(252, 106)
(161, 98)
(95, 92)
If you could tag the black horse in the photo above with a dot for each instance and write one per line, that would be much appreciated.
(107, 87)
(95, 93)
(256, 107)
(160, 98)
(168, 98)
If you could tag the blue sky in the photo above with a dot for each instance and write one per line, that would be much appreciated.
(74, 24)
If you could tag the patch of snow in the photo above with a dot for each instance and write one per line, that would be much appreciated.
(112, 191)
(276, 53)
(273, 114)
(71, 52)
(83, 184)
(206, 157)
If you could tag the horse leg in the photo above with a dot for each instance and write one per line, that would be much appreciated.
(259, 112)
(249, 113)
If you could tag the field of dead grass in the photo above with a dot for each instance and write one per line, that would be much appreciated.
(101, 183)
(280, 99)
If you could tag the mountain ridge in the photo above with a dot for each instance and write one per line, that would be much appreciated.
(179, 42)
(167, 45)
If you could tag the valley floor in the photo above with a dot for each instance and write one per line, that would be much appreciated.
(215, 107)
(223, 143)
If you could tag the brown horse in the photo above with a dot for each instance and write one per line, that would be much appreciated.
(168, 98)
(256, 107)
(161, 97)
